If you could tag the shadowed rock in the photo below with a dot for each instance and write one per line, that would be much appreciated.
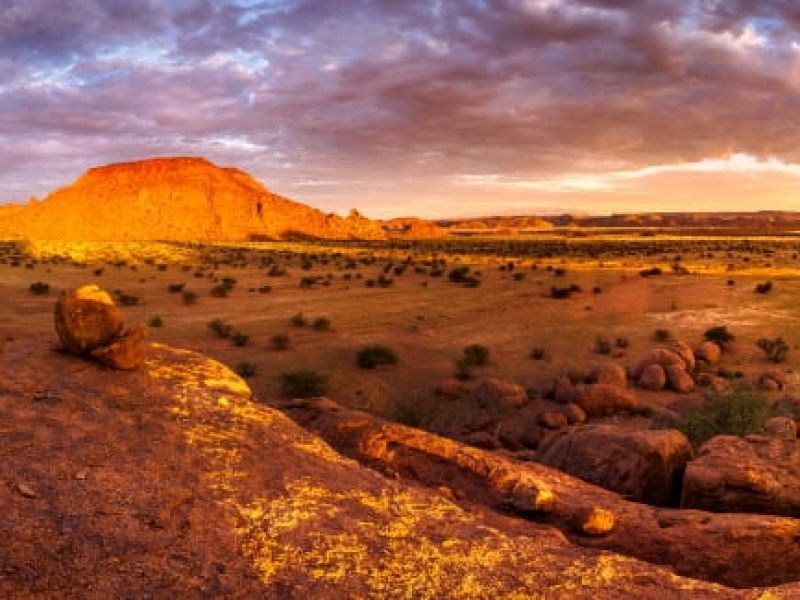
(757, 473)
(88, 322)
(86, 318)
(125, 352)
(708, 352)
(603, 399)
(653, 377)
(610, 373)
(679, 380)
(740, 550)
(658, 356)
(645, 466)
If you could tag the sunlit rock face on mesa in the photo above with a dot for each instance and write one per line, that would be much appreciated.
(188, 199)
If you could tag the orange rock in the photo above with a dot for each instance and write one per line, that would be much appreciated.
(679, 380)
(602, 399)
(708, 352)
(86, 318)
(743, 550)
(658, 356)
(645, 466)
(496, 392)
(594, 521)
(611, 373)
(179, 198)
(126, 352)
(685, 351)
(653, 378)
(756, 474)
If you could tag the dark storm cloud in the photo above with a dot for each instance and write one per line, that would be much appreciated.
(395, 94)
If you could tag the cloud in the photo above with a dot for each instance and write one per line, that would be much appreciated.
(387, 102)
(610, 181)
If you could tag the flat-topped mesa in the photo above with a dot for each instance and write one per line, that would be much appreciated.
(179, 198)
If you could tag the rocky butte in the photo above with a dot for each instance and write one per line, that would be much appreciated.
(178, 199)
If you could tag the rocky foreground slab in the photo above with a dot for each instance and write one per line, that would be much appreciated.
(170, 481)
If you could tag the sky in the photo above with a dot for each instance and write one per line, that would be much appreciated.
(432, 108)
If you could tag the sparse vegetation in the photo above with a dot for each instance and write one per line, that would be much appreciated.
(321, 324)
(220, 328)
(370, 357)
(303, 383)
(240, 339)
(39, 288)
(602, 345)
(740, 412)
(156, 321)
(279, 341)
(764, 288)
(775, 349)
(720, 336)
(476, 355)
(538, 353)
(662, 335)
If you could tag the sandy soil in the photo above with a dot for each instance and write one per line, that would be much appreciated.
(427, 320)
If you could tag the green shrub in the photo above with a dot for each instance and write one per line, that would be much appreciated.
(189, 297)
(764, 288)
(39, 288)
(279, 341)
(721, 336)
(220, 328)
(458, 274)
(303, 383)
(662, 335)
(321, 324)
(240, 339)
(463, 370)
(776, 350)
(373, 356)
(602, 345)
(476, 355)
(220, 291)
(156, 321)
(538, 353)
(175, 288)
(298, 320)
(308, 282)
(740, 412)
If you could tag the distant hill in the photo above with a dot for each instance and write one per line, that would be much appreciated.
(192, 199)
(770, 220)
(766, 221)
(174, 199)
(487, 223)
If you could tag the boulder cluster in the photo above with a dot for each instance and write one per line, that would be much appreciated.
(672, 367)
(88, 323)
